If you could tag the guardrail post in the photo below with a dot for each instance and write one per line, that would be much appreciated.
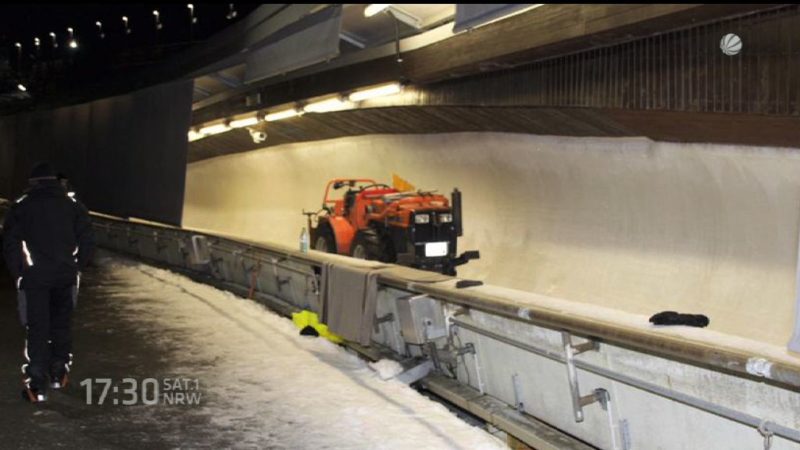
(578, 401)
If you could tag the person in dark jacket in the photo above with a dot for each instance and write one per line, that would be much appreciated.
(47, 241)
(66, 184)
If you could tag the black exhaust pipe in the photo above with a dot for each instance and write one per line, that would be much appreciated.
(455, 205)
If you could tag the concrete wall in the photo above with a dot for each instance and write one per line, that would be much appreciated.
(637, 225)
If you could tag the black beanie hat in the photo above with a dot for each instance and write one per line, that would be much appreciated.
(42, 171)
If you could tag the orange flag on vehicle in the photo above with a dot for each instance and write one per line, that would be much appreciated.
(401, 184)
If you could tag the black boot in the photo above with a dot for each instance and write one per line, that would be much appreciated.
(59, 373)
(31, 392)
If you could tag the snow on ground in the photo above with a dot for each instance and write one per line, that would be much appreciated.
(269, 387)
(387, 368)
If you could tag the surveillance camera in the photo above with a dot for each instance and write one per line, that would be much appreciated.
(258, 136)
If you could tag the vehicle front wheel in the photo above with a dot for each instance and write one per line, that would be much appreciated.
(368, 244)
(324, 242)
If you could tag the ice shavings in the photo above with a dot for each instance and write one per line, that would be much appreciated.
(387, 368)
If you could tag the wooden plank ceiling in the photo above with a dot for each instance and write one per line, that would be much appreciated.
(658, 125)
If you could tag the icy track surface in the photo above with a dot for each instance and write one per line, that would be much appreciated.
(269, 387)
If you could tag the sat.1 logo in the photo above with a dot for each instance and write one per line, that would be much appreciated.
(730, 44)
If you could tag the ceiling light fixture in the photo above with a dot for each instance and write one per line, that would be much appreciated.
(194, 135)
(192, 17)
(280, 115)
(231, 12)
(22, 87)
(157, 18)
(247, 122)
(378, 91)
(71, 38)
(214, 129)
(396, 12)
(331, 104)
(375, 8)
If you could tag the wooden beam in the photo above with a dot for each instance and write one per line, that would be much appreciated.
(718, 128)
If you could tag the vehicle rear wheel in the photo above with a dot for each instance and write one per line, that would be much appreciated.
(324, 241)
(368, 244)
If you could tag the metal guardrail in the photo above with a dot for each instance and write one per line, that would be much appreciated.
(568, 359)
(309, 265)
(290, 280)
(672, 347)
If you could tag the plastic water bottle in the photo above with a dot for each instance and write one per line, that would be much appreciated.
(304, 240)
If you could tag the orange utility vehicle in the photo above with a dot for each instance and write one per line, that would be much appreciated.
(375, 221)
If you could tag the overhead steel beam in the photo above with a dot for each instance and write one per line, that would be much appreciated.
(230, 82)
(404, 16)
(200, 91)
(352, 39)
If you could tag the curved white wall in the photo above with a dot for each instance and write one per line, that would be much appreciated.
(628, 223)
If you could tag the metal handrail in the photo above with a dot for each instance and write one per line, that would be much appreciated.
(704, 405)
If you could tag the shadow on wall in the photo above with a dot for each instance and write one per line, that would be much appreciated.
(125, 155)
(627, 223)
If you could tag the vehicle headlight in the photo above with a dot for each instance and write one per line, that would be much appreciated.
(422, 218)
(445, 218)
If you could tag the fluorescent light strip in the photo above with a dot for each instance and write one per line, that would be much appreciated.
(379, 91)
(323, 106)
(331, 104)
(241, 123)
(214, 129)
(280, 115)
(194, 136)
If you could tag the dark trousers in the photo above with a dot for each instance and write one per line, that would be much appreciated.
(47, 312)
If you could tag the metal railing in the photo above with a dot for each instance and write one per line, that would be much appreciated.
(731, 360)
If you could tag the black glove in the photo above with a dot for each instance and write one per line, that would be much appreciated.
(675, 318)
(308, 330)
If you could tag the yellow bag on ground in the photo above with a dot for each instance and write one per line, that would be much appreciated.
(303, 319)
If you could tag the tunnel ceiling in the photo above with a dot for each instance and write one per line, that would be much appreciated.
(550, 31)
(655, 71)
(676, 86)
